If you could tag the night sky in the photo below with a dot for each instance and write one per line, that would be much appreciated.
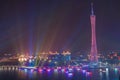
(30, 26)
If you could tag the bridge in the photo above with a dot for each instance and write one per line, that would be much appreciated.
(9, 67)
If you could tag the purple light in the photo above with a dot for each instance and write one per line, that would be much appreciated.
(48, 70)
(66, 72)
(59, 68)
(44, 68)
(83, 71)
(70, 74)
(78, 69)
(32, 70)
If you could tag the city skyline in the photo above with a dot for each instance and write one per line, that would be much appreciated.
(58, 25)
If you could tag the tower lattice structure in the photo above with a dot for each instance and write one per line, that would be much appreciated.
(93, 53)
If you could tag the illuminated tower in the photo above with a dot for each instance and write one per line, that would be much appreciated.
(93, 53)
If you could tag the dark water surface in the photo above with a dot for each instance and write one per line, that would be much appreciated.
(93, 74)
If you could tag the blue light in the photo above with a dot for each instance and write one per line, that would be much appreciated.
(107, 69)
(30, 61)
(25, 70)
(116, 69)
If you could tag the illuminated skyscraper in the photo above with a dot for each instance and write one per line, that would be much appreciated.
(93, 53)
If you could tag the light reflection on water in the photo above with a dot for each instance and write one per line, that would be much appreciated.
(107, 74)
(93, 74)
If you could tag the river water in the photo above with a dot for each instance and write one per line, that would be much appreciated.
(92, 74)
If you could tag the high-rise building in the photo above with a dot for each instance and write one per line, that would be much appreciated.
(93, 53)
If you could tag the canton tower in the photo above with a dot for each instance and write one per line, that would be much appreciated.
(93, 53)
